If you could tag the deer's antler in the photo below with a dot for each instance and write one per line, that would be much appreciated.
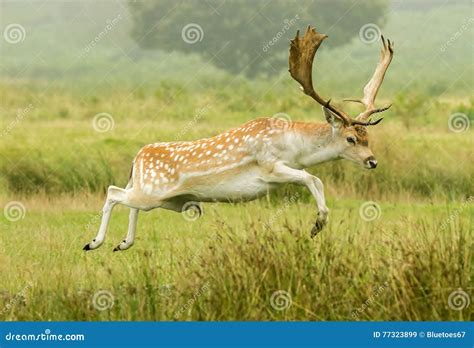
(372, 87)
(302, 52)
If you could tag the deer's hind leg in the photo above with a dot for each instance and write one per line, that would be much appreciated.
(132, 226)
(115, 195)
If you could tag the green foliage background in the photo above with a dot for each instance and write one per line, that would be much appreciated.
(52, 161)
(237, 32)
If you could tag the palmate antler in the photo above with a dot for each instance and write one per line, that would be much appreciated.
(302, 52)
(372, 87)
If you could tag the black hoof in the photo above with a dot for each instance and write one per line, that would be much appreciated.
(117, 248)
(86, 247)
(316, 229)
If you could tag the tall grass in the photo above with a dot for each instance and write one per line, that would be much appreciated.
(239, 262)
(243, 262)
(234, 264)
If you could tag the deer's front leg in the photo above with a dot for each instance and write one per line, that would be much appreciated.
(323, 210)
(282, 174)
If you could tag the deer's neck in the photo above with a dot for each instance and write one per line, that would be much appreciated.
(315, 144)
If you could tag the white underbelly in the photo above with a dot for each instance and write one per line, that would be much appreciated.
(236, 186)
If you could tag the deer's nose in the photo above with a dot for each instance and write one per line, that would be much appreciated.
(371, 162)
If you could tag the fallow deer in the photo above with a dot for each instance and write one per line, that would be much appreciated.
(244, 163)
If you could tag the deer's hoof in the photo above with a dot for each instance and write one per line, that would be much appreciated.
(93, 245)
(318, 226)
(123, 246)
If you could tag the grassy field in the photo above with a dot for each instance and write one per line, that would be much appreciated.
(399, 244)
(227, 265)
(53, 145)
(252, 261)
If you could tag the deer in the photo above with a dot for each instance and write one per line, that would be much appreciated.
(244, 163)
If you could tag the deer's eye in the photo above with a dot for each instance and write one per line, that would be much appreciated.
(351, 140)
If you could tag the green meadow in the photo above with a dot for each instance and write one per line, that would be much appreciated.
(398, 245)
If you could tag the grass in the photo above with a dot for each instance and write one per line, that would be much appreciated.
(53, 147)
(227, 265)
(236, 261)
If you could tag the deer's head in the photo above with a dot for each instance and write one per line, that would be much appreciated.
(351, 142)
(349, 135)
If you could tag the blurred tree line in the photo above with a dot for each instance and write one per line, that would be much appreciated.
(245, 36)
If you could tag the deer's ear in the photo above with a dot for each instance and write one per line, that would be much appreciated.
(332, 118)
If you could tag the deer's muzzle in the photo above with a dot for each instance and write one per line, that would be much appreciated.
(371, 162)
